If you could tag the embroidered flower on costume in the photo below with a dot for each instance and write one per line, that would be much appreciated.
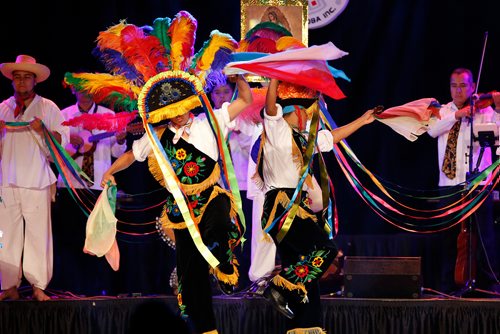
(180, 154)
(175, 163)
(196, 202)
(182, 307)
(169, 94)
(191, 169)
(179, 299)
(318, 261)
(301, 271)
(308, 268)
(176, 211)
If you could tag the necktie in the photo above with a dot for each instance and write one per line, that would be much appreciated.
(449, 167)
(88, 166)
(88, 157)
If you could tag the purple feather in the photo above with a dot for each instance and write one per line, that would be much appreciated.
(221, 58)
(114, 62)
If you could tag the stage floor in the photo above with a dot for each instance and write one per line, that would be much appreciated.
(253, 315)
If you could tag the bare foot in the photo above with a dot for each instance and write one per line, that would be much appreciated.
(39, 295)
(10, 293)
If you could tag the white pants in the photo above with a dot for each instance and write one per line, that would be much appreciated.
(25, 233)
(263, 251)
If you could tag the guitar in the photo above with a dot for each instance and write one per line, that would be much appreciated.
(465, 265)
(90, 141)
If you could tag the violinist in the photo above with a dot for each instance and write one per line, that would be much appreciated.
(454, 139)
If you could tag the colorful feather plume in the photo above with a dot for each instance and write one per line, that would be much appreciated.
(182, 32)
(145, 52)
(214, 54)
(113, 90)
(109, 51)
(115, 63)
(264, 37)
(160, 31)
(267, 30)
(111, 37)
(107, 122)
(262, 45)
(288, 43)
(243, 46)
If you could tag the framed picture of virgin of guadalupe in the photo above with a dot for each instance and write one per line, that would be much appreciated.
(291, 14)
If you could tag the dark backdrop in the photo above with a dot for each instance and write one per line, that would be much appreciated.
(399, 51)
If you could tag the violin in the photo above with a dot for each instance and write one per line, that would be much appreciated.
(483, 100)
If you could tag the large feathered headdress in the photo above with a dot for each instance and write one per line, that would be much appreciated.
(134, 55)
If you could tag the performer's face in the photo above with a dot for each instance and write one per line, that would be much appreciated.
(23, 82)
(221, 94)
(180, 120)
(461, 88)
(82, 97)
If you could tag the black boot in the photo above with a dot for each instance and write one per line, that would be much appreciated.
(225, 288)
(279, 302)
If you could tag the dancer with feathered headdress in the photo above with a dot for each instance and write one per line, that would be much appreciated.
(155, 70)
(293, 112)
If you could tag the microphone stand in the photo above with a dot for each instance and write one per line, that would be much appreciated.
(471, 279)
(471, 273)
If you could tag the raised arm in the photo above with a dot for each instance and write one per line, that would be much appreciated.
(272, 93)
(123, 162)
(244, 98)
(348, 129)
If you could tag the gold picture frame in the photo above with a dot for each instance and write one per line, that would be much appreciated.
(291, 14)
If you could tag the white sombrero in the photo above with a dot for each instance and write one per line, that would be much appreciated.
(28, 64)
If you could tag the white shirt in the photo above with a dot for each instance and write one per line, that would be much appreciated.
(240, 142)
(105, 148)
(279, 169)
(252, 190)
(440, 129)
(23, 152)
(201, 135)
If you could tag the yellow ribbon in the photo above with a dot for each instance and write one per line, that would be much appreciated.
(313, 131)
(174, 187)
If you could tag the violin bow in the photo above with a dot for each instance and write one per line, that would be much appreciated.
(482, 60)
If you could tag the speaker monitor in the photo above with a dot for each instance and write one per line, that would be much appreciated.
(382, 277)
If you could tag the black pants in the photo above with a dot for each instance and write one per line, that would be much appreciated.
(216, 228)
(305, 252)
(486, 251)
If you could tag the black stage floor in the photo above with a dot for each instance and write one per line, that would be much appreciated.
(252, 315)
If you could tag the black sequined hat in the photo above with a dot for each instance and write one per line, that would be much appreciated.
(170, 94)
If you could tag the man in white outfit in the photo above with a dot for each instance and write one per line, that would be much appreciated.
(26, 179)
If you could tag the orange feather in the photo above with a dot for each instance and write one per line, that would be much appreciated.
(182, 32)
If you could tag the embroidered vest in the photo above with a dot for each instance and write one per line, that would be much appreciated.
(298, 150)
(196, 171)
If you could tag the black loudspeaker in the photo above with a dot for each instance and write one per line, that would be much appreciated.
(382, 277)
